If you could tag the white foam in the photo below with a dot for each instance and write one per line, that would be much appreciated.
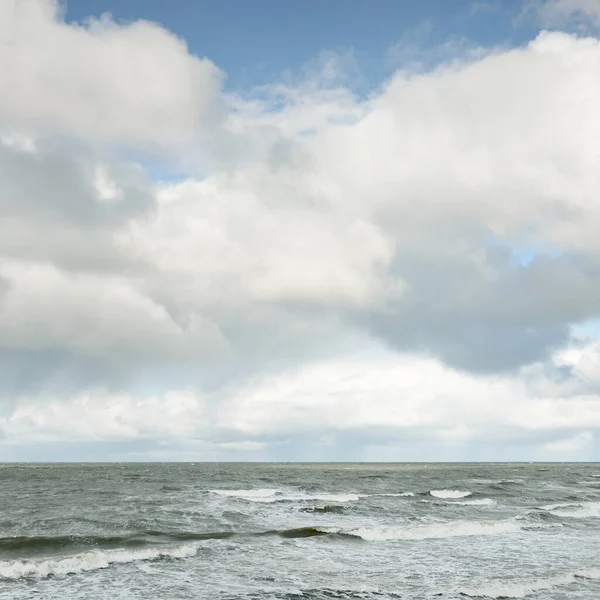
(434, 531)
(89, 561)
(559, 505)
(475, 502)
(583, 510)
(523, 590)
(260, 495)
(398, 495)
(449, 494)
(268, 496)
(591, 573)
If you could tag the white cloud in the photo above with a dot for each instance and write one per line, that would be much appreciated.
(376, 401)
(405, 393)
(101, 417)
(133, 82)
(562, 12)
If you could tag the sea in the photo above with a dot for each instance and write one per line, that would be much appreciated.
(225, 531)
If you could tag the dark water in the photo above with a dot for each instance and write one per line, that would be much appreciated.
(293, 532)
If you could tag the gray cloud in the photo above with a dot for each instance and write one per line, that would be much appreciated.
(53, 210)
(488, 321)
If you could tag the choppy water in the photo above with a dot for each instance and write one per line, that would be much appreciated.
(294, 532)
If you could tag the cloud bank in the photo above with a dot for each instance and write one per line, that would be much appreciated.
(410, 275)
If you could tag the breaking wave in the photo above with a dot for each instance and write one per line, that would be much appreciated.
(572, 510)
(89, 561)
(449, 494)
(434, 531)
(154, 545)
(475, 502)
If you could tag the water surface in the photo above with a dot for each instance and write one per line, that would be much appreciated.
(294, 532)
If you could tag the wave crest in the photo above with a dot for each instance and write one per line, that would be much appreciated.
(449, 494)
(434, 531)
(89, 561)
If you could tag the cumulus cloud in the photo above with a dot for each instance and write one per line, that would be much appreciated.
(133, 82)
(448, 218)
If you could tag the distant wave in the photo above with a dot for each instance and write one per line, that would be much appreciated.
(447, 494)
(269, 496)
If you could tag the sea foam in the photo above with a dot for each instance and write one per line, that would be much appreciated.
(434, 531)
(449, 494)
(582, 510)
(89, 561)
(268, 496)
(501, 590)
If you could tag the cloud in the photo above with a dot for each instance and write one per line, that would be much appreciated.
(133, 82)
(448, 220)
(384, 403)
(407, 393)
(581, 13)
(100, 417)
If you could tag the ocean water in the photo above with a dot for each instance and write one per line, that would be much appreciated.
(295, 532)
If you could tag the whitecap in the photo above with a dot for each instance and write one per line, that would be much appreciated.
(434, 531)
(475, 502)
(584, 510)
(449, 494)
(89, 561)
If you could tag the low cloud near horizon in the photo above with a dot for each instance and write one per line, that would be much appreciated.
(413, 274)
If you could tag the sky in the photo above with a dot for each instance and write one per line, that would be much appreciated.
(301, 231)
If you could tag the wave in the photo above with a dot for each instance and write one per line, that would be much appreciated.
(539, 520)
(104, 558)
(475, 502)
(449, 494)
(502, 591)
(89, 561)
(48, 544)
(269, 496)
(504, 485)
(434, 531)
(155, 545)
(397, 495)
(330, 508)
(571, 510)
